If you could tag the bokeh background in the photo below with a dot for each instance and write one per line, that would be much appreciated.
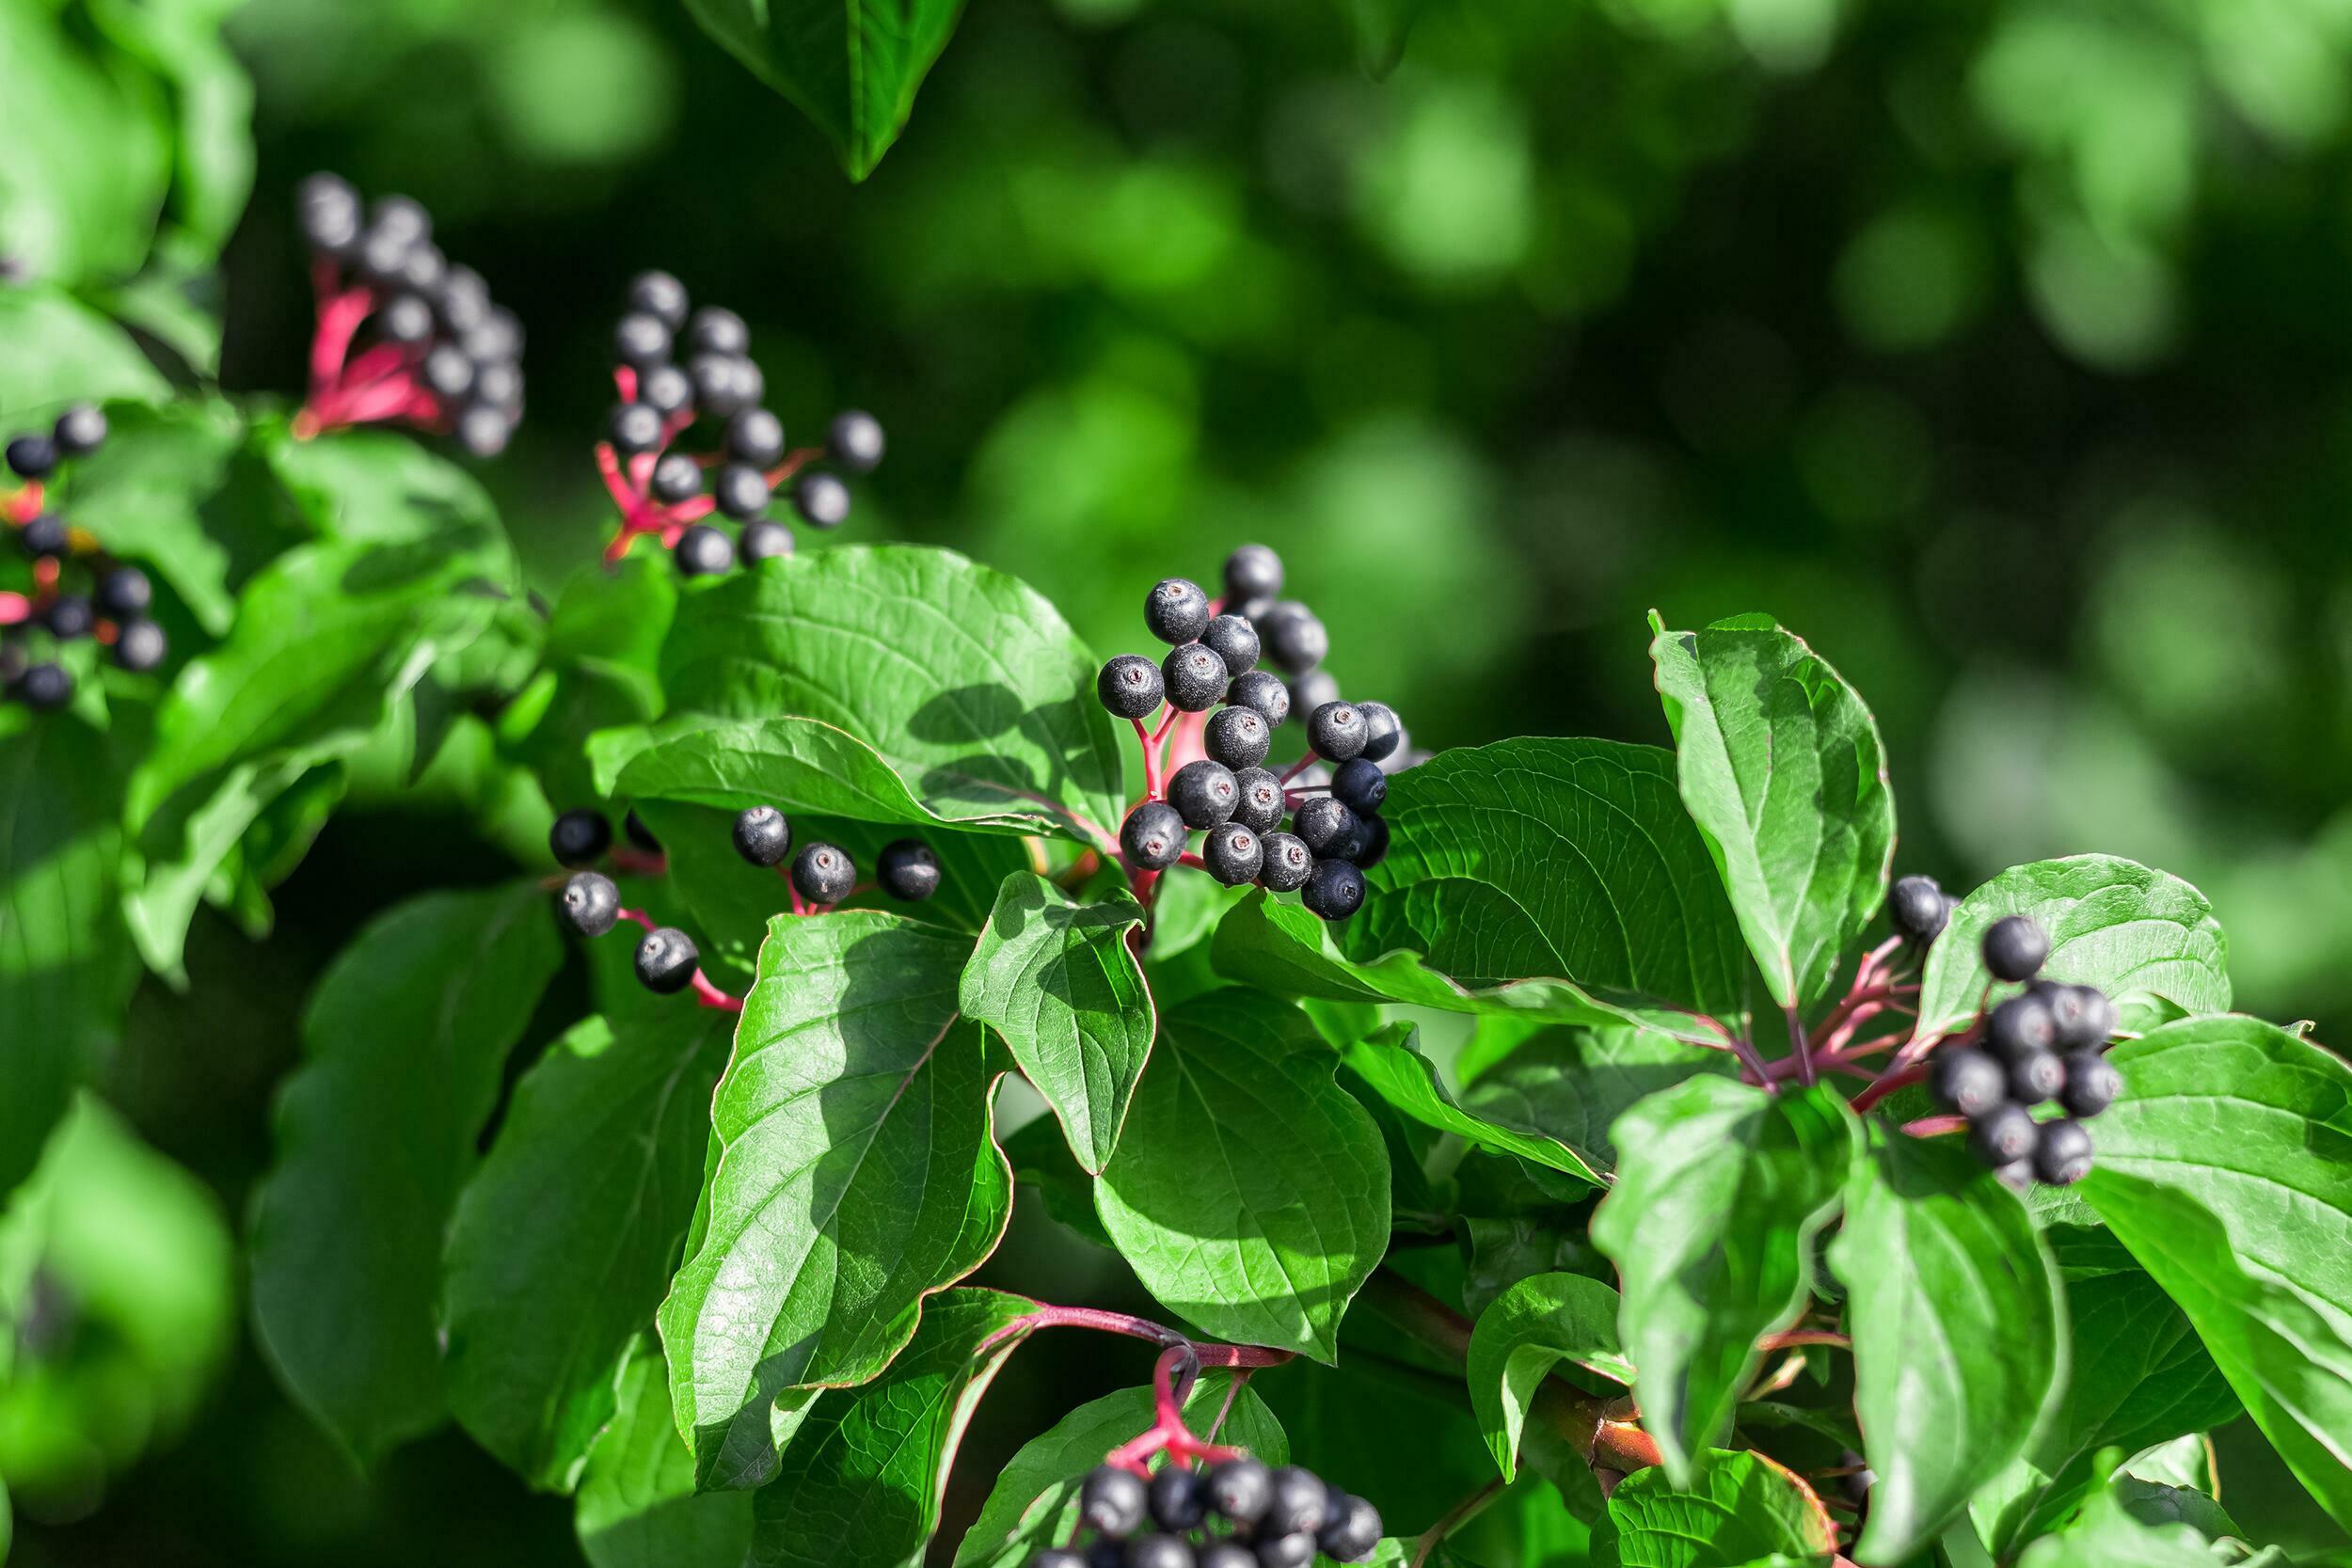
(1998, 347)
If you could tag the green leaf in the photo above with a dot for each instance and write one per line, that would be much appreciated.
(379, 486)
(861, 1484)
(89, 156)
(967, 683)
(1381, 28)
(2139, 1378)
(2113, 1532)
(853, 1171)
(638, 1506)
(66, 963)
(853, 70)
(1033, 1503)
(1530, 1328)
(1958, 1329)
(1721, 1189)
(565, 1240)
(1251, 1192)
(1571, 1083)
(1737, 1507)
(1391, 1063)
(2128, 930)
(1041, 1162)
(1059, 981)
(1782, 768)
(60, 351)
(405, 1042)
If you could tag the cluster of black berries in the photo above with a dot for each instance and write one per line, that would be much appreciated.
(823, 874)
(679, 366)
(2042, 1047)
(78, 591)
(1236, 1514)
(1230, 795)
(445, 356)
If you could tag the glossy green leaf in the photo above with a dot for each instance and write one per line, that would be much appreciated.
(1571, 1083)
(1391, 1064)
(405, 1042)
(565, 1240)
(2116, 1531)
(1059, 982)
(1958, 1329)
(66, 962)
(1530, 1328)
(1737, 1508)
(853, 70)
(967, 684)
(1033, 1503)
(90, 153)
(637, 1504)
(855, 1173)
(1783, 771)
(376, 484)
(1721, 1189)
(1251, 1192)
(861, 1484)
(2124, 928)
(60, 351)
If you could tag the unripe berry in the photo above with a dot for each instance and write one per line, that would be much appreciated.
(1917, 909)
(140, 643)
(1130, 686)
(764, 540)
(579, 837)
(666, 390)
(1968, 1082)
(1176, 610)
(1383, 731)
(1360, 786)
(45, 688)
(1176, 1500)
(1261, 691)
(2092, 1084)
(633, 429)
(741, 490)
(2035, 1077)
(1253, 572)
(2015, 948)
(908, 869)
(660, 296)
(2061, 1154)
(1233, 639)
(762, 835)
(1374, 846)
(1287, 863)
(641, 340)
(1352, 1531)
(1111, 1500)
(79, 431)
(2083, 1015)
(124, 592)
(2003, 1134)
(675, 478)
(1234, 854)
(1241, 1488)
(70, 616)
(1312, 690)
(1336, 730)
(1301, 1502)
(1326, 825)
(1335, 890)
(704, 551)
(1237, 736)
(1194, 678)
(716, 330)
(1204, 794)
(1261, 803)
(1293, 638)
(755, 437)
(1153, 837)
(666, 960)
(32, 456)
(591, 904)
(1160, 1551)
(854, 440)
(2021, 1026)
(823, 500)
(823, 874)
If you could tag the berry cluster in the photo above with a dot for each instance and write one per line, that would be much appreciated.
(77, 590)
(444, 355)
(1233, 1513)
(2041, 1047)
(1210, 677)
(677, 367)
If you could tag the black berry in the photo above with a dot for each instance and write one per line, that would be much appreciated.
(1337, 731)
(676, 478)
(908, 869)
(1239, 1489)
(1286, 1551)
(1335, 890)
(2015, 948)
(140, 643)
(1293, 638)
(666, 960)
(716, 330)
(1261, 807)
(1176, 610)
(823, 500)
(80, 430)
(1312, 690)
(764, 540)
(125, 591)
(641, 340)
(1234, 854)
(1111, 1500)
(32, 456)
(722, 383)
(755, 437)
(659, 296)
(741, 490)
(70, 616)
(762, 837)
(591, 904)
(633, 429)
(1160, 1551)
(1325, 824)
(46, 688)
(2061, 1154)
(406, 319)
(704, 551)
(666, 390)
(1383, 731)
(45, 535)
(1238, 737)
(402, 218)
(1253, 572)
(823, 873)
(2002, 1135)
(2082, 1015)
(1233, 639)
(1969, 1082)
(1194, 678)
(1351, 1532)
(580, 838)
(484, 430)
(1056, 1557)
(2035, 1077)
(2092, 1084)
(497, 336)
(1129, 685)
(1153, 836)
(1262, 691)
(1360, 784)
(2021, 1026)
(1225, 1554)
(1375, 845)
(1176, 1500)
(1917, 909)
(854, 440)
(328, 209)
(1287, 865)
(1298, 1503)
(448, 373)
(1204, 794)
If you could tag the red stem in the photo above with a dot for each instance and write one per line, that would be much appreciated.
(1934, 1127)
(1887, 1083)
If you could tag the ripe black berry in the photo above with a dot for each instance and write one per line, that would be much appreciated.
(328, 209)
(1111, 1500)
(633, 428)
(1917, 909)
(1130, 686)
(854, 440)
(1325, 824)
(704, 551)
(1300, 1503)
(1239, 1489)
(641, 340)
(2061, 1154)
(70, 616)
(676, 478)
(1383, 731)
(45, 688)
(2015, 948)
(44, 536)
(1204, 794)
(484, 430)
(1262, 691)
(1335, 890)
(1261, 807)
(908, 869)
(1288, 862)
(448, 373)
(659, 295)
(666, 960)
(124, 592)
(755, 437)
(1337, 731)
(1312, 690)
(764, 540)
(1056, 1557)
(400, 217)
(1160, 1551)
(666, 390)
(741, 490)
(762, 837)
(1225, 1554)
(406, 319)
(1233, 639)
(1293, 638)
(2035, 1077)
(1194, 677)
(79, 431)
(1238, 737)
(1153, 836)
(1360, 784)
(499, 336)
(718, 330)
(1374, 848)
(2083, 1015)
(140, 643)
(2021, 1026)
(1176, 610)
(2092, 1084)
(823, 500)
(579, 837)
(823, 873)
(32, 456)
(591, 904)
(722, 383)
(1176, 1500)
(1969, 1082)
(2002, 1135)
(463, 301)
(1253, 572)
(1351, 1532)
(1234, 854)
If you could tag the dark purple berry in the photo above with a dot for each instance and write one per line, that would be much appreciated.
(32, 456)
(2035, 1077)
(1193, 679)
(45, 688)
(1261, 807)
(1352, 1531)
(579, 837)
(1359, 785)
(1335, 890)
(1383, 731)
(484, 430)
(124, 592)
(2015, 948)
(406, 319)
(1253, 572)
(2003, 1135)
(704, 551)
(1293, 638)
(1177, 1503)
(634, 428)
(823, 874)
(140, 643)
(1299, 1504)
(1153, 837)
(666, 390)
(1288, 862)
(1160, 1551)
(1337, 731)
(1204, 794)
(660, 296)
(676, 478)
(44, 536)
(1917, 909)
(1234, 854)
(1111, 1500)
(70, 616)
(2062, 1155)
(1968, 1082)
(1264, 692)
(2021, 1026)
(1238, 737)
(908, 869)
(2082, 1015)
(716, 330)
(1374, 846)
(666, 960)
(740, 490)
(1325, 824)
(823, 500)
(755, 437)
(1176, 610)
(1239, 1489)
(1312, 690)
(1295, 1550)
(1233, 639)
(1129, 685)
(591, 904)
(762, 835)
(79, 431)
(764, 540)
(2092, 1084)
(854, 441)
(641, 340)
